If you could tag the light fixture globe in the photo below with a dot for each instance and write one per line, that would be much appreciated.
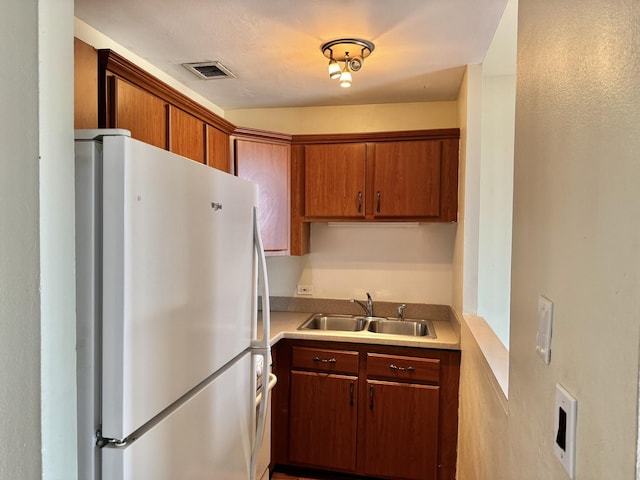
(345, 78)
(334, 69)
(351, 51)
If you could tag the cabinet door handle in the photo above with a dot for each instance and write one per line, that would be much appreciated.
(401, 369)
(324, 360)
(371, 397)
(351, 394)
(359, 202)
(378, 195)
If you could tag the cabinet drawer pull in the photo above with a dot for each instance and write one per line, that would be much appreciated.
(351, 394)
(378, 195)
(401, 369)
(324, 360)
(371, 397)
(359, 202)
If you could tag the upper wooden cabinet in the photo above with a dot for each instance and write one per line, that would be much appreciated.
(85, 85)
(155, 113)
(268, 165)
(382, 180)
(218, 150)
(381, 176)
(406, 179)
(334, 181)
(186, 135)
(138, 111)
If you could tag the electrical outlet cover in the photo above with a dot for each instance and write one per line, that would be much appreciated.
(566, 416)
(545, 320)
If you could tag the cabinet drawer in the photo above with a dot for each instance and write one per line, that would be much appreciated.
(321, 360)
(407, 369)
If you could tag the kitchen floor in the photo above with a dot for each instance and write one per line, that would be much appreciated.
(285, 476)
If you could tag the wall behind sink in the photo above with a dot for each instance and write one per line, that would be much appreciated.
(393, 263)
(404, 264)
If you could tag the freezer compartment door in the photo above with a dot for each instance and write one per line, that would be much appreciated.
(178, 278)
(208, 437)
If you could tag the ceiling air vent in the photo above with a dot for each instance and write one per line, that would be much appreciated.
(209, 70)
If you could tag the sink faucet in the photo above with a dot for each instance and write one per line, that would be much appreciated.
(401, 311)
(368, 308)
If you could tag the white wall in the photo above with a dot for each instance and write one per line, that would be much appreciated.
(496, 174)
(19, 243)
(57, 240)
(496, 201)
(37, 303)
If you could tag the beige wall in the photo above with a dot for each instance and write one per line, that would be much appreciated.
(575, 240)
(576, 232)
(483, 442)
(348, 119)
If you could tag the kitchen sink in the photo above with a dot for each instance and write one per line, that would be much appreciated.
(354, 323)
(344, 323)
(412, 328)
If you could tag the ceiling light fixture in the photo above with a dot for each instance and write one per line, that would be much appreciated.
(351, 51)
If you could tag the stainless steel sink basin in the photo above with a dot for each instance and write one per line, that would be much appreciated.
(344, 323)
(412, 328)
(355, 323)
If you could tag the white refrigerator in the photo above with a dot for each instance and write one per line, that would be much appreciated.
(168, 259)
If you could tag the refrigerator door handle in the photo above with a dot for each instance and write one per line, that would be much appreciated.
(266, 308)
(260, 346)
(272, 383)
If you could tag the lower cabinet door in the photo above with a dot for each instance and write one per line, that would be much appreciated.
(401, 439)
(323, 420)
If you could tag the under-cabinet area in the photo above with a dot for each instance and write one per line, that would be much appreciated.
(377, 411)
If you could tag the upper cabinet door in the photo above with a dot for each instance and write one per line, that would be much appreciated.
(186, 135)
(218, 151)
(407, 179)
(268, 165)
(335, 180)
(138, 111)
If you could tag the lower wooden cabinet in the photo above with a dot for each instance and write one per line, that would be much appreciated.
(323, 420)
(401, 431)
(376, 411)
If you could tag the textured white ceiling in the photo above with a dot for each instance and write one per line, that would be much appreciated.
(273, 46)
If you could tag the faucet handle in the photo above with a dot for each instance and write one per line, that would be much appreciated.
(401, 311)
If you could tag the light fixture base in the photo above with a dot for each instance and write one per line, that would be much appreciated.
(341, 48)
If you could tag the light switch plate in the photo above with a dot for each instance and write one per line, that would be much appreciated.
(545, 320)
(564, 445)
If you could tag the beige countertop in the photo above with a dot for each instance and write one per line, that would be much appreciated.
(285, 325)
